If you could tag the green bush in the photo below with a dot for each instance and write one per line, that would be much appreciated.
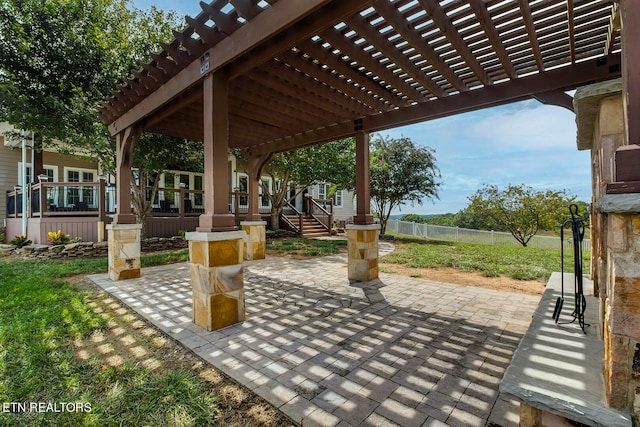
(20, 241)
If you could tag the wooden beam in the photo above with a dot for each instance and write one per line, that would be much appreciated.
(613, 29)
(226, 24)
(337, 40)
(246, 8)
(447, 28)
(360, 25)
(394, 18)
(531, 33)
(301, 89)
(316, 71)
(250, 99)
(332, 61)
(176, 106)
(555, 97)
(484, 18)
(570, 29)
(265, 26)
(320, 88)
(564, 78)
(630, 12)
(279, 102)
(328, 13)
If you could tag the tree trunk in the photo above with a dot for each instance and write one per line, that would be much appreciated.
(275, 218)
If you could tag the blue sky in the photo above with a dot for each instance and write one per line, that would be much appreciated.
(520, 143)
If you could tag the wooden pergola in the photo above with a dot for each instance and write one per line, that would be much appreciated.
(274, 75)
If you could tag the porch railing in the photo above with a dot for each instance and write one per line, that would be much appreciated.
(87, 199)
(290, 211)
(321, 210)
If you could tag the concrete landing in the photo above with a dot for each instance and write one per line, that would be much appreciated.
(558, 368)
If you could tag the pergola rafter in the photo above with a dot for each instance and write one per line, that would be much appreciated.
(295, 73)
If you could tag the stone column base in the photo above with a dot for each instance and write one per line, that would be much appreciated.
(124, 251)
(256, 243)
(217, 278)
(362, 246)
(534, 417)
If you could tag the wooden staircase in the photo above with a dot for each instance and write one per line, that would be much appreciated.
(311, 227)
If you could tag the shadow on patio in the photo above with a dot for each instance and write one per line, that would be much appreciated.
(325, 352)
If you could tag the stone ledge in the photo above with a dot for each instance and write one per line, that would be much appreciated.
(557, 368)
(618, 203)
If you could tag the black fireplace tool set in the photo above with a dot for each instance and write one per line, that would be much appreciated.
(577, 232)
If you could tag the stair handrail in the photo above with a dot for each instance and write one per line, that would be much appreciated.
(284, 218)
(314, 203)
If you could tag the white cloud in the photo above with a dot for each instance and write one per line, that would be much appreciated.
(522, 143)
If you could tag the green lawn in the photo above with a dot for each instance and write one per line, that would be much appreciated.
(521, 263)
(306, 247)
(41, 316)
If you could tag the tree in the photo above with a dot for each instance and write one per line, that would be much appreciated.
(153, 156)
(61, 59)
(400, 172)
(520, 210)
(333, 163)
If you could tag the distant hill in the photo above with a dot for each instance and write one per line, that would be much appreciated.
(447, 219)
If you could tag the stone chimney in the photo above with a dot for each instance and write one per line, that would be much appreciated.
(615, 237)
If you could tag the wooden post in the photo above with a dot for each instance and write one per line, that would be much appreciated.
(630, 13)
(363, 202)
(43, 197)
(181, 199)
(216, 147)
(102, 203)
(256, 165)
(125, 145)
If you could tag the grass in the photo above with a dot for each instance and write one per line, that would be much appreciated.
(521, 263)
(306, 247)
(41, 316)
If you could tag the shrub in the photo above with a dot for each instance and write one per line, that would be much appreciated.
(58, 237)
(1, 237)
(20, 241)
(181, 233)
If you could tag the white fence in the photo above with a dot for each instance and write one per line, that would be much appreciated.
(455, 234)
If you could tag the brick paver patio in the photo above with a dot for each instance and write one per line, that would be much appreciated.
(393, 351)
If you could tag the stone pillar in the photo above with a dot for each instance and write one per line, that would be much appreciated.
(256, 239)
(217, 278)
(124, 251)
(616, 240)
(362, 247)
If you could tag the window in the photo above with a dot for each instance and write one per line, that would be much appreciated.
(243, 187)
(324, 189)
(49, 170)
(85, 196)
(197, 185)
(264, 196)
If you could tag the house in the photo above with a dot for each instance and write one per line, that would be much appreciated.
(80, 197)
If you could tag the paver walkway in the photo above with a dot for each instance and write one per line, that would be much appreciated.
(393, 351)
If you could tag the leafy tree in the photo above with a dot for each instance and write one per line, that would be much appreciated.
(520, 210)
(400, 172)
(468, 218)
(419, 219)
(61, 58)
(333, 162)
(153, 156)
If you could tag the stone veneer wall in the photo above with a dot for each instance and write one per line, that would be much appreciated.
(97, 250)
(615, 238)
